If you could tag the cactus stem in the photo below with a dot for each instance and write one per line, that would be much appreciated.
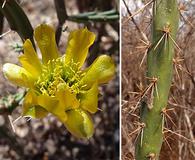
(159, 70)
(17, 19)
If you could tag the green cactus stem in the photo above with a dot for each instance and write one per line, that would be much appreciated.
(17, 19)
(105, 16)
(159, 73)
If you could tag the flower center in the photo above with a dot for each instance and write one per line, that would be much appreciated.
(55, 72)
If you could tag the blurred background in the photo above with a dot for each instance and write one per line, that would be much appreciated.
(180, 119)
(47, 139)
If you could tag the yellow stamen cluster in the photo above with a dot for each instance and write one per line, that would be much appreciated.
(55, 72)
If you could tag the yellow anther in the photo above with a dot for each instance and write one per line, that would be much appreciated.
(55, 72)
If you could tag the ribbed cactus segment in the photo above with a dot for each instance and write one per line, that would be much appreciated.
(159, 73)
(17, 19)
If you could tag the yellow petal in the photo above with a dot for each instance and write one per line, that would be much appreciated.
(31, 108)
(102, 70)
(66, 99)
(38, 106)
(79, 123)
(29, 59)
(51, 104)
(18, 75)
(78, 45)
(45, 37)
(35, 112)
(89, 99)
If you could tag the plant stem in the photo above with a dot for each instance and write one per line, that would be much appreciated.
(17, 19)
(111, 15)
(159, 67)
(1, 22)
(62, 17)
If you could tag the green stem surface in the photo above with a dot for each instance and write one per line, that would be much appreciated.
(17, 19)
(160, 67)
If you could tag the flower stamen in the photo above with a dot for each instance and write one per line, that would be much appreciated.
(55, 73)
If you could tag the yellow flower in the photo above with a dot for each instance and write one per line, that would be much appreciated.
(59, 85)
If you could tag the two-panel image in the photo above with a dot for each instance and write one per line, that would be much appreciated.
(97, 80)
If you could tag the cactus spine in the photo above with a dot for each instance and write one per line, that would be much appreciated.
(159, 73)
